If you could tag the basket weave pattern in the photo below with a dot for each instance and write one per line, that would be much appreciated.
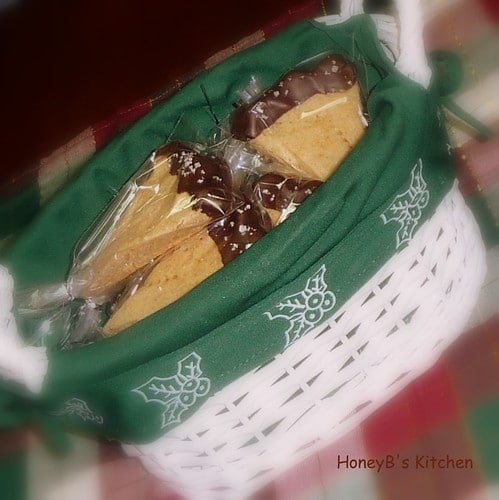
(328, 381)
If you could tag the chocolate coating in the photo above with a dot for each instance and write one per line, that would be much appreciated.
(216, 202)
(332, 74)
(237, 222)
(238, 230)
(196, 172)
(278, 192)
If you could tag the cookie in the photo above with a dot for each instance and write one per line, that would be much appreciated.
(280, 195)
(308, 122)
(176, 273)
(194, 259)
(157, 215)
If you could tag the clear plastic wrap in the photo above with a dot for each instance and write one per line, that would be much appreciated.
(179, 219)
(191, 209)
(48, 315)
(161, 206)
(280, 196)
(236, 223)
(308, 121)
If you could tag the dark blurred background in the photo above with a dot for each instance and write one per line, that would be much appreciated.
(68, 64)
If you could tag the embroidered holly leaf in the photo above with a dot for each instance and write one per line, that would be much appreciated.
(290, 305)
(179, 392)
(190, 367)
(406, 208)
(297, 329)
(305, 310)
(297, 303)
(317, 283)
(173, 412)
(78, 407)
(418, 184)
(396, 210)
(404, 234)
(159, 390)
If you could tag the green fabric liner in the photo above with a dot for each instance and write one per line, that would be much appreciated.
(13, 477)
(18, 209)
(338, 229)
(484, 433)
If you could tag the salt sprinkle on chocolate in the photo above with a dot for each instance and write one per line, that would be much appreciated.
(332, 74)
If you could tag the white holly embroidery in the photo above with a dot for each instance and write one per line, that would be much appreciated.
(179, 392)
(406, 208)
(79, 408)
(305, 310)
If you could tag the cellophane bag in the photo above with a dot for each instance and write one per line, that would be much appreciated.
(181, 217)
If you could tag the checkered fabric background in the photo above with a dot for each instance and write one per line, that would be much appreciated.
(438, 439)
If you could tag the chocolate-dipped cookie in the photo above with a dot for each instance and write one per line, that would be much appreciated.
(194, 259)
(161, 212)
(280, 195)
(307, 122)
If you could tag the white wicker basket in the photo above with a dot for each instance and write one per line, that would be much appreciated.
(327, 382)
